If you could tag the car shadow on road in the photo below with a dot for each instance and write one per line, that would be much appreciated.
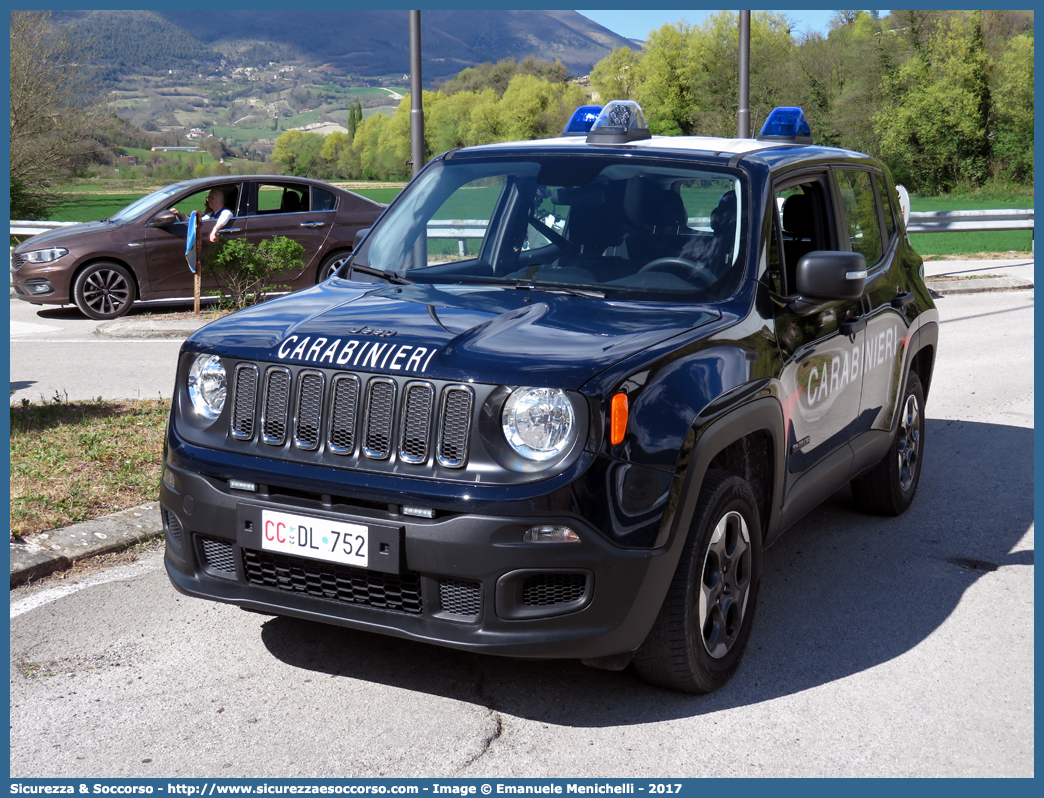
(842, 592)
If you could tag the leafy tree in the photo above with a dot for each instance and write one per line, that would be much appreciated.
(615, 77)
(937, 132)
(497, 76)
(1013, 95)
(298, 153)
(52, 113)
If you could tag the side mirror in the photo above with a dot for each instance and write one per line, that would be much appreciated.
(359, 236)
(828, 275)
(164, 219)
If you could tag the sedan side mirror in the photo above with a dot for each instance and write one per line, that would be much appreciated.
(829, 276)
(164, 219)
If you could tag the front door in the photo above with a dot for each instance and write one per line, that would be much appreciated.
(169, 274)
(823, 369)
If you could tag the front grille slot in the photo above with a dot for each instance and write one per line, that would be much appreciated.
(309, 409)
(542, 590)
(380, 416)
(244, 397)
(217, 556)
(458, 597)
(416, 422)
(455, 427)
(399, 593)
(344, 402)
(276, 404)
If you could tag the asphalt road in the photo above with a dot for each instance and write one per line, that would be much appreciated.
(882, 647)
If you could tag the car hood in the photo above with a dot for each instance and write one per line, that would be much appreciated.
(61, 234)
(449, 332)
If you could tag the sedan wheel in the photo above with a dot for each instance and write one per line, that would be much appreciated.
(104, 291)
(332, 264)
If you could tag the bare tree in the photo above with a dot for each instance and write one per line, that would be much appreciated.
(52, 111)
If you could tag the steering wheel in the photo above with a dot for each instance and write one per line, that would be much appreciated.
(676, 265)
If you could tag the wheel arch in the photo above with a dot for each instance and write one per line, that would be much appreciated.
(93, 260)
(340, 251)
(749, 441)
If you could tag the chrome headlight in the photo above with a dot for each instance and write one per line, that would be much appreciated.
(538, 423)
(45, 255)
(207, 385)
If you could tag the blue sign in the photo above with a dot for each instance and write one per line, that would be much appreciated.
(190, 242)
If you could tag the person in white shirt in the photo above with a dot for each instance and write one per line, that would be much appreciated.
(214, 209)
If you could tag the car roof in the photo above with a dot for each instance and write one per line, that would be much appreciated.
(775, 154)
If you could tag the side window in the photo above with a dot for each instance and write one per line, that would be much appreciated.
(198, 201)
(864, 228)
(323, 200)
(889, 209)
(801, 214)
(281, 198)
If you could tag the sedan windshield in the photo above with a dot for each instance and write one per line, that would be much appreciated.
(138, 206)
(594, 225)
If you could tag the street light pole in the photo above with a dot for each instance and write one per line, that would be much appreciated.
(416, 96)
(743, 122)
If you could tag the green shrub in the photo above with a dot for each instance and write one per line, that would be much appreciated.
(247, 272)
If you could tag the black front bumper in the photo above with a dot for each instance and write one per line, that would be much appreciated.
(462, 580)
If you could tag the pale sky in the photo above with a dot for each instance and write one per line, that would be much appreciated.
(637, 24)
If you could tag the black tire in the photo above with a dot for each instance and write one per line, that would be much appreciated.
(699, 637)
(330, 264)
(890, 488)
(104, 291)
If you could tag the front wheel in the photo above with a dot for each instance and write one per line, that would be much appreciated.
(699, 637)
(331, 264)
(890, 488)
(104, 291)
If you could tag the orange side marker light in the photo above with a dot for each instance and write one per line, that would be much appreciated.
(618, 418)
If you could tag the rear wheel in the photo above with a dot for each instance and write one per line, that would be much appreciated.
(104, 291)
(702, 630)
(331, 264)
(890, 488)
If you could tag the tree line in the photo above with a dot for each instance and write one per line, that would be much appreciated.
(945, 98)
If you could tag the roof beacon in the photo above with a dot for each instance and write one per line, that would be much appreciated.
(581, 120)
(786, 125)
(619, 122)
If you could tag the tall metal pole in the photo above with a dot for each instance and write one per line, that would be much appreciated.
(743, 122)
(416, 93)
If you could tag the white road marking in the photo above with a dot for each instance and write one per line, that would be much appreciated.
(116, 574)
(26, 328)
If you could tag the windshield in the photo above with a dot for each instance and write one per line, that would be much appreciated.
(136, 207)
(609, 226)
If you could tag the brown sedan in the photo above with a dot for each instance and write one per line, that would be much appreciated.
(139, 253)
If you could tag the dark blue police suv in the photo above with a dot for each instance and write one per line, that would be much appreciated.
(561, 398)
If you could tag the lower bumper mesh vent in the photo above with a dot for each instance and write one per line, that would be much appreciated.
(458, 597)
(217, 556)
(400, 593)
(173, 526)
(541, 590)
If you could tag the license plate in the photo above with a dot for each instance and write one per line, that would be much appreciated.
(317, 538)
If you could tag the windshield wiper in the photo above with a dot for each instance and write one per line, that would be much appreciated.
(558, 289)
(392, 277)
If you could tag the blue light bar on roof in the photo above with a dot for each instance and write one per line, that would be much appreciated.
(581, 120)
(786, 123)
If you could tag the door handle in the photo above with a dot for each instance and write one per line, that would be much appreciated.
(230, 230)
(850, 328)
(311, 224)
(900, 301)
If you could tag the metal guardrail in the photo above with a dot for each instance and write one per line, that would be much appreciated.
(955, 221)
